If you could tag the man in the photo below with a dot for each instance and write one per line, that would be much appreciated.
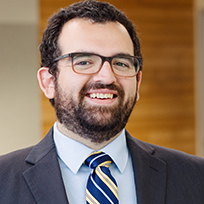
(91, 72)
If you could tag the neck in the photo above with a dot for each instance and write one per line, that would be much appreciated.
(87, 142)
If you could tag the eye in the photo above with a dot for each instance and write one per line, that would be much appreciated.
(121, 64)
(81, 63)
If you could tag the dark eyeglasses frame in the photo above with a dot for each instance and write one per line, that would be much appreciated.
(104, 59)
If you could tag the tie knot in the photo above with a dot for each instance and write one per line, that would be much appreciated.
(98, 159)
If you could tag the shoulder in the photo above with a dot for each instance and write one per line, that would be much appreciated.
(178, 167)
(12, 166)
(14, 159)
(170, 156)
(176, 158)
(20, 160)
(29, 155)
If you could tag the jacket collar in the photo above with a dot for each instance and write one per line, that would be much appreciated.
(149, 171)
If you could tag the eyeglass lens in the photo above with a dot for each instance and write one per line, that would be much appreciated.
(90, 64)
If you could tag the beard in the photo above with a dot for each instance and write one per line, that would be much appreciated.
(93, 122)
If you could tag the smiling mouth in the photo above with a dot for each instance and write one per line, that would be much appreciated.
(102, 95)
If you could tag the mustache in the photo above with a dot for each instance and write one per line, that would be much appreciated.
(100, 85)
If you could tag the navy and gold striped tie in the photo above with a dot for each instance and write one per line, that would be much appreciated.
(101, 186)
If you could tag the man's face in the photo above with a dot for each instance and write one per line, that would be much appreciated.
(96, 106)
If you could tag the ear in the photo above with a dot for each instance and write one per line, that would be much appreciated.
(46, 82)
(139, 79)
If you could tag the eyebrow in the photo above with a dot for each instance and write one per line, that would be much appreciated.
(116, 54)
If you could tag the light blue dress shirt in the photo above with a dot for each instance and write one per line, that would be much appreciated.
(71, 155)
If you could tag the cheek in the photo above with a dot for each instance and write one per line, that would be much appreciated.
(72, 83)
(129, 87)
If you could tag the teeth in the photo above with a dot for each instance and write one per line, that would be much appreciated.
(101, 95)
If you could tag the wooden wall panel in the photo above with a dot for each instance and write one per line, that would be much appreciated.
(164, 114)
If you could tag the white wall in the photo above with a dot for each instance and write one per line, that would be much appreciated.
(19, 11)
(19, 93)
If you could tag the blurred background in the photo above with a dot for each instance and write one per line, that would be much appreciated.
(170, 111)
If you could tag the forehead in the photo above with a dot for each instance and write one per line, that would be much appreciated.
(108, 38)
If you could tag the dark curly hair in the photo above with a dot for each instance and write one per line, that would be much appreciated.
(96, 11)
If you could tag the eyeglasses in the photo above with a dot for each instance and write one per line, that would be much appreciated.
(89, 63)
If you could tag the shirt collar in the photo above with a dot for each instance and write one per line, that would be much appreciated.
(79, 152)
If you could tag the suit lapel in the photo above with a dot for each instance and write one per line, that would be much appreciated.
(44, 177)
(149, 171)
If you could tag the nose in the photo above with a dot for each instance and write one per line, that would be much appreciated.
(105, 74)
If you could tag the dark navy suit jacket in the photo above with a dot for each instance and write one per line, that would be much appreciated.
(162, 176)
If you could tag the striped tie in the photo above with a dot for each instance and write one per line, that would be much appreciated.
(101, 186)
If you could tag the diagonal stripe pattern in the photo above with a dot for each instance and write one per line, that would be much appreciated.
(101, 186)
